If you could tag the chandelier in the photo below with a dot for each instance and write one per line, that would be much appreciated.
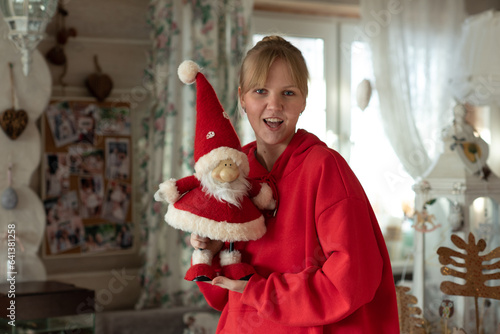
(27, 20)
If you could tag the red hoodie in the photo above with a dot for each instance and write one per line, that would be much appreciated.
(322, 266)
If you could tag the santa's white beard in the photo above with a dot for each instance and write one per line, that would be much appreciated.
(231, 192)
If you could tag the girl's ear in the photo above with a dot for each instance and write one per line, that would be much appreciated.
(240, 96)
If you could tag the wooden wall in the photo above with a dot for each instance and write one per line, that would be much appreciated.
(117, 32)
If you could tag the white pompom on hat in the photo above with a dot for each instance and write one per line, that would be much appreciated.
(187, 71)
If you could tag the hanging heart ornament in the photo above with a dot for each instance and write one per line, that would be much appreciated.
(13, 122)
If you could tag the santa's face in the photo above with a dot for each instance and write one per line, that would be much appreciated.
(225, 182)
(226, 171)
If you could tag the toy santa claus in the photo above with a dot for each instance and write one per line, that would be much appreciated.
(218, 201)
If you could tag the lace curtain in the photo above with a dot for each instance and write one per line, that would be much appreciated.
(412, 44)
(215, 34)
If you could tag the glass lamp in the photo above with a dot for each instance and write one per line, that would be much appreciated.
(27, 20)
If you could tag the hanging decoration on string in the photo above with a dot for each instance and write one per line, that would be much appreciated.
(363, 94)
(424, 221)
(9, 195)
(98, 83)
(56, 55)
(13, 121)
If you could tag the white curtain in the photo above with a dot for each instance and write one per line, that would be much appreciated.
(412, 44)
(215, 34)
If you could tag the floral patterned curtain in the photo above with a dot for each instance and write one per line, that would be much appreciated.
(215, 34)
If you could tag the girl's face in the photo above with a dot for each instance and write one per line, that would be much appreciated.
(274, 109)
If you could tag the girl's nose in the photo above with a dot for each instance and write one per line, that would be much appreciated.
(274, 102)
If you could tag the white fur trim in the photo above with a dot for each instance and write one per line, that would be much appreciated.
(202, 256)
(227, 257)
(187, 71)
(224, 231)
(168, 192)
(209, 161)
(264, 199)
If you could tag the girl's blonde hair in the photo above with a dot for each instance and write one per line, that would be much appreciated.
(258, 61)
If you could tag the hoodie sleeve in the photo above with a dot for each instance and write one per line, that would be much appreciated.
(327, 293)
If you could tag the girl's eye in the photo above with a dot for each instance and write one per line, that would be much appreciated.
(260, 91)
(288, 93)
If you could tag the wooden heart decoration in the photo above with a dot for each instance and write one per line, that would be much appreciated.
(13, 122)
(98, 83)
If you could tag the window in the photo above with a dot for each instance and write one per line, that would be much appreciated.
(338, 63)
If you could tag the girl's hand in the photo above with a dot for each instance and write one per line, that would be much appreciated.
(205, 243)
(227, 283)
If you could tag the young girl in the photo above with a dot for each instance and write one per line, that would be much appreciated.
(322, 266)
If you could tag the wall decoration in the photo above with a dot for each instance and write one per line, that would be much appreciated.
(474, 275)
(56, 55)
(9, 195)
(13, 121)
(98, 83)
(87, 184)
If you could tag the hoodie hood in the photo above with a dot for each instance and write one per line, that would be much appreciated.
(298, 148)
(293, 156)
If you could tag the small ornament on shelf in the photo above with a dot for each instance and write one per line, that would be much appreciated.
(470, 147)
(474, 277)
(446, 310)
(409, 322)
(424, 221)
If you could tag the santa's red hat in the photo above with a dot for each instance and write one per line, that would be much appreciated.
(215, 137)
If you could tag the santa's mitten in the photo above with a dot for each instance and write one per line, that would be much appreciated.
(233, 268)
(201, 266)
(264, 199)
(167, 192)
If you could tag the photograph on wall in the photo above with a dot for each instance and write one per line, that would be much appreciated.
(56, 174)
(91, 192)
(62, 208)
(92, 161)
(124, 237)
(110, 236)
(113, 121)
(117, 158)
(85, 120)
(75, 158)
(62, 123)
(66, 235)
(117, 201)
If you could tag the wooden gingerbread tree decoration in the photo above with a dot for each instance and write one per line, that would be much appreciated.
(473, 264)
(408, 315)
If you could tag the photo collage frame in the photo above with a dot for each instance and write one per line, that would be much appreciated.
(87, 177)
